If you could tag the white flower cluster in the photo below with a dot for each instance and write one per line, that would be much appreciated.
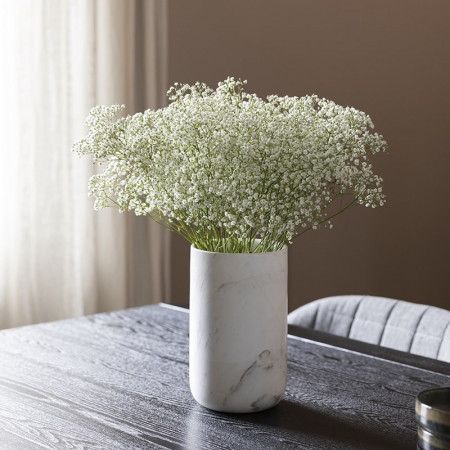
(226, 169)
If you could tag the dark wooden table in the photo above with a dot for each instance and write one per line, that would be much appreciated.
(120, 381)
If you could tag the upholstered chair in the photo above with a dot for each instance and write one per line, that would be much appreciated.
(409, 327)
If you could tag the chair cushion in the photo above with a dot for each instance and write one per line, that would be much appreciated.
(409, 327)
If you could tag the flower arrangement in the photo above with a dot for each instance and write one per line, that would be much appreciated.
(231, 172)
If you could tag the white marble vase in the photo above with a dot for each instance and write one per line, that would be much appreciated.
(238, 329)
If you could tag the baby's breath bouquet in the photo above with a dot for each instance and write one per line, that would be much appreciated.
(232, 172)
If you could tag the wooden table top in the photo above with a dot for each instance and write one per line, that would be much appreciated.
(120, 381)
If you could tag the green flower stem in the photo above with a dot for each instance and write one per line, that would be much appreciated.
(329, 217)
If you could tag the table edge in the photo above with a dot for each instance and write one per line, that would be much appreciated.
(352, 345)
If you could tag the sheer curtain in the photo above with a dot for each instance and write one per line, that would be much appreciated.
(58, 257)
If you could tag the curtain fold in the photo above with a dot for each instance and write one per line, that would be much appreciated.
(58, 257)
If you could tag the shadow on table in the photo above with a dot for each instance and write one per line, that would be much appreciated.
(291, 424)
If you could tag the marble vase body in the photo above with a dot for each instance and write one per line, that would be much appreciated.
(238, 329)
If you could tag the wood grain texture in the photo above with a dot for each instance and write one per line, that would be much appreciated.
(120, 381)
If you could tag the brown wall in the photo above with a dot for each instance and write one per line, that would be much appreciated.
(388, 58)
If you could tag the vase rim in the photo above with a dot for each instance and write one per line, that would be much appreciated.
(284, 249)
